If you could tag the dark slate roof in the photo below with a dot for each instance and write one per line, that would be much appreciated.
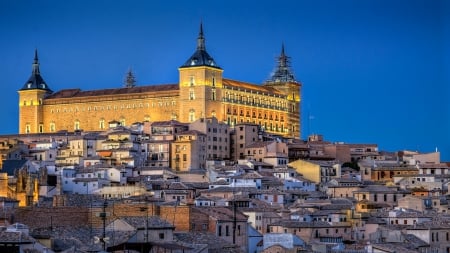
(36, 81)
(213, 242)
(15, 238)
(200, 56)
(153, 222)
(10, 166)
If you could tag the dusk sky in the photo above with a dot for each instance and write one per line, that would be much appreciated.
(372, 71)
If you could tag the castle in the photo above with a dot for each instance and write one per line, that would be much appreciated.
(201, 92)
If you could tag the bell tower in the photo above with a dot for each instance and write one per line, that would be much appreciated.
(31, 99)
(282, 79)
(200, 85)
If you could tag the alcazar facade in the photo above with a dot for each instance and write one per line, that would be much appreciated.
(201, 92)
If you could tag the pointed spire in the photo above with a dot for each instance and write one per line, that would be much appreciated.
(36, 81)
(282, 72)
(130, 79)
(35, 65)
(201, 39)
(200, 56)
(283, 59)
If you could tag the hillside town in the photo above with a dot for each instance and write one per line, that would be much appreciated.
(168, 186)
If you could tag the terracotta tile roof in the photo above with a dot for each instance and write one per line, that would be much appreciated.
(213, 242)
(250, 87)
(221, 213)
(15, 238)
(71, 93)
(152, 221)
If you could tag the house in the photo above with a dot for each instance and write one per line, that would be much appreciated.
(317, 171)
(285, 242)
(227, 224)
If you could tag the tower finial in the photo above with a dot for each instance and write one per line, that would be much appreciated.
(283, 59)
(130, 79)
(35, 62)
(36, 81)
(282, 72)
(201, 38)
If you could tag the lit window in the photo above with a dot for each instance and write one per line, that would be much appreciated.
(76, 125)
(102, 124)
(191, 115)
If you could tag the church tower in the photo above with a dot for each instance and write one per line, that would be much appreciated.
(200, 85)
(31, 98)
(284, 81)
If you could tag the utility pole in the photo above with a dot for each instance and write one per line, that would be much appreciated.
(103, 216)
(145, 209)
(234, 219)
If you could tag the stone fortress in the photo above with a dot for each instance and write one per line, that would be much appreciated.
(201, 92)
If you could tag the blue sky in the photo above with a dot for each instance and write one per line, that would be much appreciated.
(372, 71)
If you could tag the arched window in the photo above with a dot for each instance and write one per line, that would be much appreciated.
(52, 127)
(191, 115)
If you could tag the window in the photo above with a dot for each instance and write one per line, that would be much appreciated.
(191, 80)
(191, 115)
(41, 128)
(76, 125)
(227, 231)
(213, 95)
(52, 127)
(219, 230)
(101, 124)
(161, 236)
(27, 128)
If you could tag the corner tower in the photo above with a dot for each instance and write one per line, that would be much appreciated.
(31, 98)
(284, 81)
(200, 85)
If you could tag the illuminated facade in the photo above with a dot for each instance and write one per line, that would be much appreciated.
(201, 92)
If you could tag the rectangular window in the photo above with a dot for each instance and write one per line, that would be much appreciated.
(219, 230)
(227, 231)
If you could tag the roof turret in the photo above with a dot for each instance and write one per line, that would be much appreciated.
(200, 56)
(282, 72)
(36, 81)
